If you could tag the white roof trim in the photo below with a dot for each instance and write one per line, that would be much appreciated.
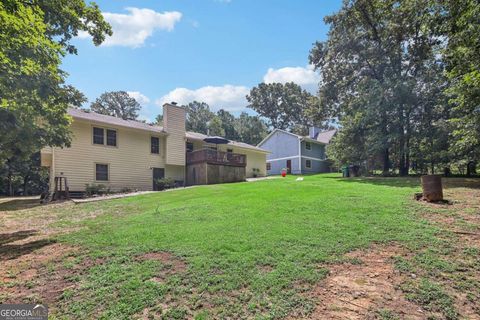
(275, 130)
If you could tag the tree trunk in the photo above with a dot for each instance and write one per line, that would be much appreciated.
(25, 185)
(9, 184)
(470, 168)
(407, 153)
(386, 162)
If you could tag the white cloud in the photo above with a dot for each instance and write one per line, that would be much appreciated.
(132, 29)
(306, 77)
(228, 97)
(141, 98)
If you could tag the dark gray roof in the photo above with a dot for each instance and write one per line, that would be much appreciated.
(101, 118)
(326, 136)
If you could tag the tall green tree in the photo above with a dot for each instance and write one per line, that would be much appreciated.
(158, 120)
(198, 117)
(460, 25)
(378, 68)
(228, 124)
(215, 127)
(118, 104)
(284, 106)
(34, 37)
(250, 129)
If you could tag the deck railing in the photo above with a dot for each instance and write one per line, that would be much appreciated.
(217, 157)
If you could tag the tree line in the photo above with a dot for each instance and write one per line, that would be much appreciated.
(35, 35)
(403, 80)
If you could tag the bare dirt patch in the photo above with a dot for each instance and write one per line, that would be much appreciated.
(33, 266)
(37, 276)
(171, 264)
(361, 290)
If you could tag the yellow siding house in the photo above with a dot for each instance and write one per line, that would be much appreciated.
(123, 154)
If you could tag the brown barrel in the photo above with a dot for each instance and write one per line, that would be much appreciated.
(432, 188)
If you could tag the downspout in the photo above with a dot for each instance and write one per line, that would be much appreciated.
(52, 175)
(299, 155)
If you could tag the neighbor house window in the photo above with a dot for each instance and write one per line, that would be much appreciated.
(98, 135)
(308, 163)
(155, 145)
(308, 146)
(189, 146)
(269, 166)
(111, 138)
(230, 150)
(101, 172)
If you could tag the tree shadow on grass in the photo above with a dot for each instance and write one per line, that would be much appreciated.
(15, 236)
(18, 204)
(412, 182)
(13, 251)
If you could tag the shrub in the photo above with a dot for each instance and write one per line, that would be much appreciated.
(125, 190)
(165, 183)
(95, 189)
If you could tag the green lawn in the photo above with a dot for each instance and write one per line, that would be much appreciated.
(250, 249)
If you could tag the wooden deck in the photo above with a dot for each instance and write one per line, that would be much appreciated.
(216, 157)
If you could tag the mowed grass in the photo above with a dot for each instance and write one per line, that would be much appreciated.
(250, 249)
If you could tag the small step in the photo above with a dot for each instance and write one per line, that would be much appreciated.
(77, 194)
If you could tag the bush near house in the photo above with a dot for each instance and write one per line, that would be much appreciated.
(165, 183)
(95, 189)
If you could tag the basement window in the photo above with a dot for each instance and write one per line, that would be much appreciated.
(155, 145)
(101, 172)
(308, 163)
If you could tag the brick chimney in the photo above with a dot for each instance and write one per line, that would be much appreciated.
(174, 124)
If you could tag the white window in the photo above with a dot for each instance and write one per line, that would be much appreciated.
(308, 146)
(99, 135)
(308, 163)
(155, 145)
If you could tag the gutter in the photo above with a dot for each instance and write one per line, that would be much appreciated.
(300, 155)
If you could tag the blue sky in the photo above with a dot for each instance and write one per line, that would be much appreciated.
(209, 50)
